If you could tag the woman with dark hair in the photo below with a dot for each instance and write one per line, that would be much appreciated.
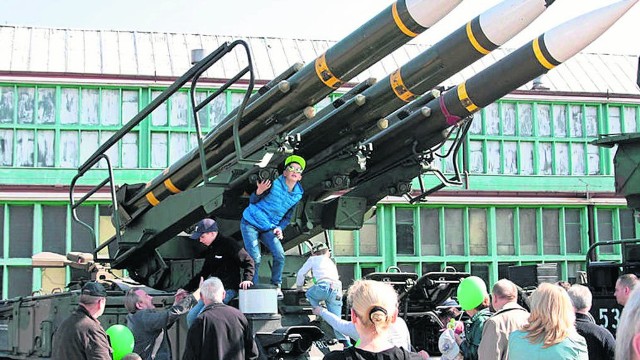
(374, 307)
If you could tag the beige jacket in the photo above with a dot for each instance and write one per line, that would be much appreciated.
(497, 328)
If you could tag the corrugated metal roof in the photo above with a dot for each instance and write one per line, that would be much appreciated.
(132, 53)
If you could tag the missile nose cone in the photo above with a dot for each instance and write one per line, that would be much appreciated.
(508, 18)
(428, 12)
(569, 38)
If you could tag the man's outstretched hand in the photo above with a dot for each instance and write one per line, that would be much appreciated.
(246, 284)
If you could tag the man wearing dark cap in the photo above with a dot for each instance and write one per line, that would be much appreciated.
(269, 212)
(80, 336)
(224, 259)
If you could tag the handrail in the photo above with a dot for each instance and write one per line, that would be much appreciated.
(193, 75)
(197, 107)
(75, 204)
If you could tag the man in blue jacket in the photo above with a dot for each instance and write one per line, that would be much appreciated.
(269, 212)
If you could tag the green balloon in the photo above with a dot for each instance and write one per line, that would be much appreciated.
(471, 292)
(121, 339)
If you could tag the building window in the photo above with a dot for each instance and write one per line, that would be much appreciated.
(369, 238)
(573, 231)
(528, 232)
(343, 244)
(430, 231)
(454, 231)
(630, 121)
(478, 231)
(614, 120)
(605, 229)
(81, 239)
(20, 280)
(551, 231)
(505, 231)
(404, 231)
(54, 224)
(20, 231)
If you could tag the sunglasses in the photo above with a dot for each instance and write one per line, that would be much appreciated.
(294, 169)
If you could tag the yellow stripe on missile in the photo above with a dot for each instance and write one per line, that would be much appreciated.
(152, 199)
(169, 185)
(464, 98)
(396, 17)
(540, 56)
(325, 75)
(399, 88)
(474, 41)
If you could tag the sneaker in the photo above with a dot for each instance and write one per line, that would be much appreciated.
(279, 293)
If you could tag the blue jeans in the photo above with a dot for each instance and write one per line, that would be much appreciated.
(331, 293)
(252, 237)
(197, 309)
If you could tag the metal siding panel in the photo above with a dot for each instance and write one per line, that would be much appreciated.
(75, 51)
(57, 51)
(557, 80)
(180, 57)
(261, 60)
(617, 68)
(219, 71)
(230, 61)
(93, 53)
(572, 70)
(110, 53)
(307, 51)
(277, 55)
(289, 52)
(21, 45)
(162, 58)
(399, 57)
(6, 38)
(39, 50)
(588, 76)
(603, 65)
(127, 48)
(629, 65)
(388, 65)
(146, 56)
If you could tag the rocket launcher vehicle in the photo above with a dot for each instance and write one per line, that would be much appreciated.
(370, 143)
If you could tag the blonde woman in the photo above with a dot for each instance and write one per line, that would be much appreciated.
(551, 333)
(374, 307)
(628, 342)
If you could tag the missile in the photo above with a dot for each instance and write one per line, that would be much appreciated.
(461, 48)
(285, 105)
(422, 129)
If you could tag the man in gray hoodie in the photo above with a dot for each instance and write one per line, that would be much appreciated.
(149, 325)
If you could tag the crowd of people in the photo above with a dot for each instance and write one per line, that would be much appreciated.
(557, 326)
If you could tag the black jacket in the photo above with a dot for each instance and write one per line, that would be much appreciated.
(353, 353)
(600, 343)
(220, 332)
(79, 337)
(224, 259)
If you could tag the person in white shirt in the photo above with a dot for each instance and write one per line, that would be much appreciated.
(327, 286)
